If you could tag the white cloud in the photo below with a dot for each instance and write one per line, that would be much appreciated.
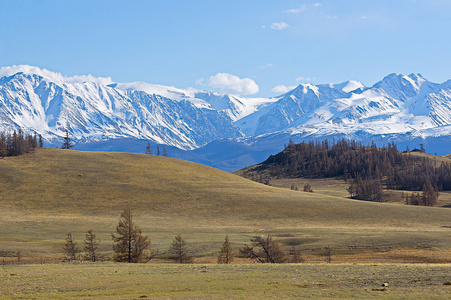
(282, 88)
(363, 17)
(317, 4)
(279, 25)
(267, 66)
(9, 71)
(88, 78)
(232, 84)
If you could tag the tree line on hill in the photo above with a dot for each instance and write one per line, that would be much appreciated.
(149, 150)
(131, 246)
(17, 143)
(368, 167)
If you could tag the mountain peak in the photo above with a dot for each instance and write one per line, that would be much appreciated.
(52, 76)
(348, 86)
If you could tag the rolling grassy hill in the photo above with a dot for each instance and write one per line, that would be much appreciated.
(50, 192)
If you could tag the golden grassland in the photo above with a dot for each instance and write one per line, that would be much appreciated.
(50, 192)
(236, 281)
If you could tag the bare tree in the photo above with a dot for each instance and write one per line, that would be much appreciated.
(264, 250)
(295, 256)
(129, 243)
(328, 254)
(19, 256)
(91, 245)
(178, 251)
(225, 254)
(70, 248)
(165, 152)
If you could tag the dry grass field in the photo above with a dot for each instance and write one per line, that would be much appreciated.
(48, 193)
(236, 281)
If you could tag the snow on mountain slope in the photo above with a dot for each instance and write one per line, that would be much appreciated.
(97, 109)
(91, 111)
(397, 104)
(235, 107)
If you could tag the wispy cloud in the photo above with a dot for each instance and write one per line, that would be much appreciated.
(267, 66)
(279, 25)
(305, 79)
(228, 83)
(303, 8)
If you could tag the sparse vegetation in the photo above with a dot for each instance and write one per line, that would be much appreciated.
(242, 281)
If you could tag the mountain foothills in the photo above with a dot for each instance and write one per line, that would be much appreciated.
(48, 193)
(199, 125)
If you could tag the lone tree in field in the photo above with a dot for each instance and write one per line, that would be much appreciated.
(179, 252)
(91, 245)
(67, 144)
(129, 243)
(225, 254)
(264, 250)
(70, 248)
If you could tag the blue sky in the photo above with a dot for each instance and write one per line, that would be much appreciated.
(248, 47)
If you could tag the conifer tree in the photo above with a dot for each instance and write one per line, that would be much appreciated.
(67, 144)
(70, 248)
(179, 251)
(91, 245)
(129, 243)
(40, 142)
(148, 149)
(3, 145)
(225, 254)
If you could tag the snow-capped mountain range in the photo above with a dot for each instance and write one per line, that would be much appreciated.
(98, 110)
